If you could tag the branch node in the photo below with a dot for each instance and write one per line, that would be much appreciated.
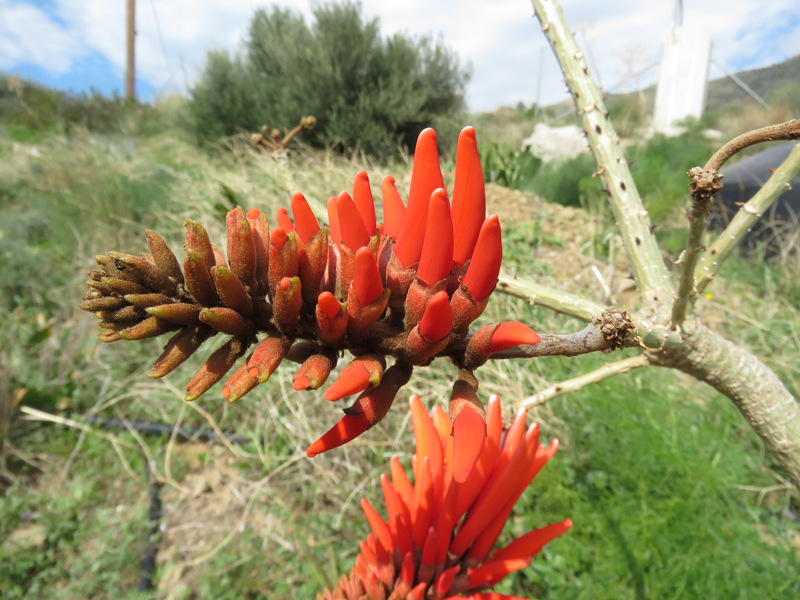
(616, 326)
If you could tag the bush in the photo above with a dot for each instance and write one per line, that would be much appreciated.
(366, 91)
(27, 110)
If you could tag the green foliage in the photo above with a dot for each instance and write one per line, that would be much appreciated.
(365, 91)
(786, 95)
(561, 183)
(650, 490)
(659, 168)
(656, 472)
(509, 168)
(27, 110)
(84, 535)
(627, 113)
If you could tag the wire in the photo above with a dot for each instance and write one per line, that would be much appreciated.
(163, 46)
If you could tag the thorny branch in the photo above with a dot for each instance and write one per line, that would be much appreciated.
(705, 183)
(751, 385)
(784, 131)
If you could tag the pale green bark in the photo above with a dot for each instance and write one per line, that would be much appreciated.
(753, 387)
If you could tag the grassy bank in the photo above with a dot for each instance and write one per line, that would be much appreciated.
(671, 493)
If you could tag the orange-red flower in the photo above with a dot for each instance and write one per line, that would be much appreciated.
(406, 290)
(438, 536)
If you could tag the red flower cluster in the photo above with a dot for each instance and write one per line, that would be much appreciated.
(437, 539)
(407, 289)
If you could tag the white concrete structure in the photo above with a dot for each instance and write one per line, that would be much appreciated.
(555, 144)
(683, 77)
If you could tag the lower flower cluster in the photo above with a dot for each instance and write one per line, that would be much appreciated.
(438, 537)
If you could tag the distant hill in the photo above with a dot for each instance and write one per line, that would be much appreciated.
(725, 91)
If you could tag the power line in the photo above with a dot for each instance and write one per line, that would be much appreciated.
(163, 46)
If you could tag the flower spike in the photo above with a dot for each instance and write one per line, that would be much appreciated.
(366, 278)
(437, 250)
(364, 372)
(283, 219)
(305, 222)
(393, 208)
(426, 176)
(333, 220)
(432, 562)
(469, 197)
(354, 233)
(314, 371)
(407, 290)
(362, 198)
(367, 411)
(484, 266)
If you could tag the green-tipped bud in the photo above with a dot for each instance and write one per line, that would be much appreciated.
(147, 300)
(102, 303)
(198, 279)
(227, 320)
(122, 286)
(197, 241)
(163, 257)
(150, 327)
(215, 368)
(181, 313)
(231, 290)
(266, 357)
(180, 347)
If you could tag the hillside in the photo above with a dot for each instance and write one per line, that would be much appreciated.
(765, 82)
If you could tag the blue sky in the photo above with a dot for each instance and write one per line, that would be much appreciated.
(80, 44)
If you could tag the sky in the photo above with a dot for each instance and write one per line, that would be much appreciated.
(79, 45)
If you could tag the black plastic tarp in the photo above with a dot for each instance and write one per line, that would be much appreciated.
(779, 228)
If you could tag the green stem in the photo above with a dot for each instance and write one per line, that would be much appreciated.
(779, 181)
(651, 274)
(557, 300)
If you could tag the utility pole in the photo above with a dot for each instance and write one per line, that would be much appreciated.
(130, 70)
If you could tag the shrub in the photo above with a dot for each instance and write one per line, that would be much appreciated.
(366, 91)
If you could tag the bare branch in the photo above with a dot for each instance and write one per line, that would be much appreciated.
(744, 220)
(611, 330)
(554, 299)
(785, 131)
(577, 383)
(703, 187)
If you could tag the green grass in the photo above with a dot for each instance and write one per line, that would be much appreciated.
(670, 492)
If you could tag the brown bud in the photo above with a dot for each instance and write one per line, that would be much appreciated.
(147, 300)
(197, 240)
(198, 279)
(181, 313)
(180, 347)
(215, 368)
(102, 303)
(227, 320)
(148, 274)
(150, 327)
(241, 247)
(231, 290)
(163, 257)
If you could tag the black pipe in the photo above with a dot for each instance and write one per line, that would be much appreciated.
(187, 433)
(154, 516)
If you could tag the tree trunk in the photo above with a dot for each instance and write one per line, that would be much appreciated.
(750, 384)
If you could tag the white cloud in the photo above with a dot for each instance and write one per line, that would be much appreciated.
(27, 34)
(500, 38)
